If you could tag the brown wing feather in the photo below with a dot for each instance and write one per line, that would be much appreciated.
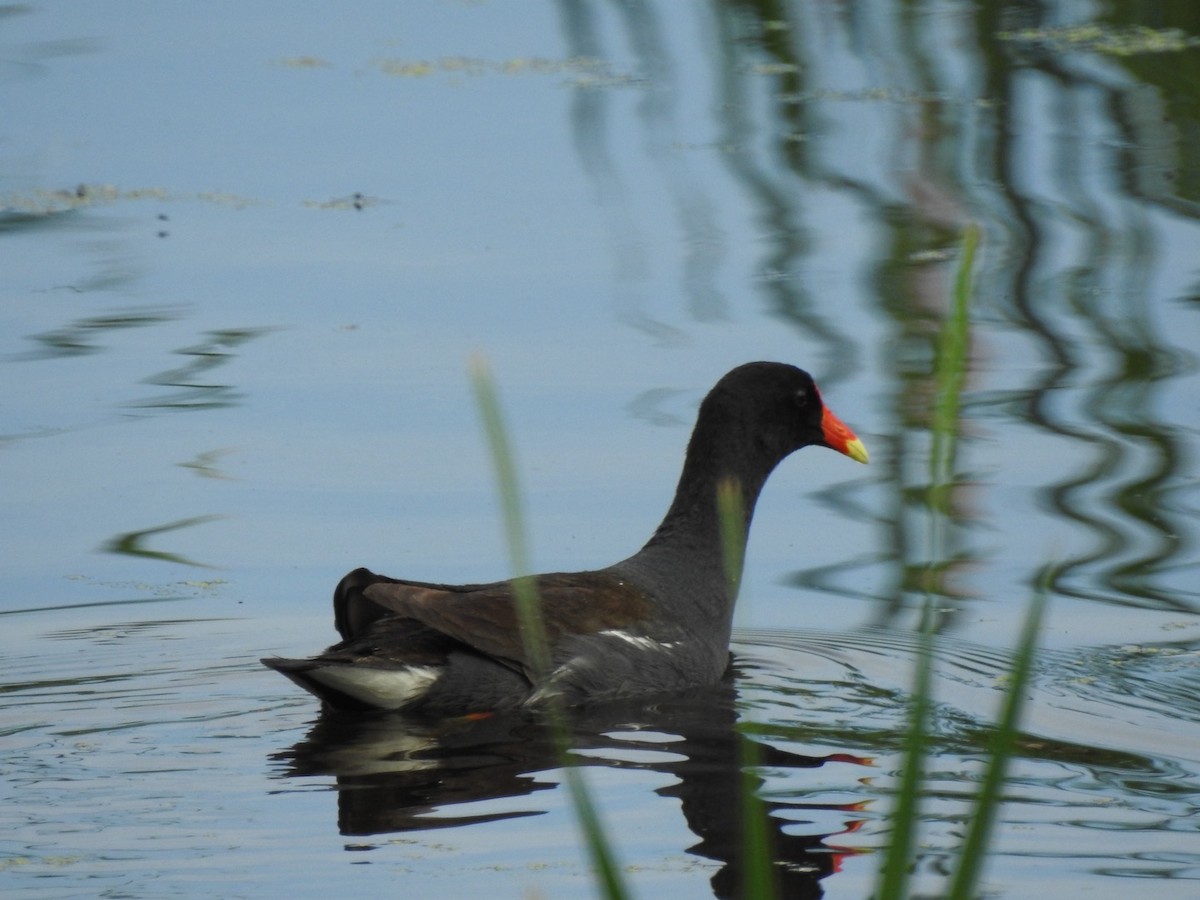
(354, 612)
(486, 617)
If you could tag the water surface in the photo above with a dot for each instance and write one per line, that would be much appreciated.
(247, 254)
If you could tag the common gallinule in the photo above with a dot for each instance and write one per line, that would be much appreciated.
(657, 621)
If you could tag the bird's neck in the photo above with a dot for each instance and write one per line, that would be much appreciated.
(702, 538)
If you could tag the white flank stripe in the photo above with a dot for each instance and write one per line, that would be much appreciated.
(640, 641)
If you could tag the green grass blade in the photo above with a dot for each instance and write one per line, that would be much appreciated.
(757, 869)
(897, 861)
(596, 839)
(732, 516)
(1004, 742)
(533, 632)
(949, 375)
(757, 866)
(950, 370)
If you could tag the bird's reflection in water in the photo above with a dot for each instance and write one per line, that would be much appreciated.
(396, 775)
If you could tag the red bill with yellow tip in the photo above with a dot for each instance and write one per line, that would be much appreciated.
(839, 436)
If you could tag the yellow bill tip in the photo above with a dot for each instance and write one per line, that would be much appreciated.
(857, 451)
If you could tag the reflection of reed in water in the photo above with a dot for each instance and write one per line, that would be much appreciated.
(133, 543)
(80, 338)
(212, 353)
(1084, 264)
(766, 173)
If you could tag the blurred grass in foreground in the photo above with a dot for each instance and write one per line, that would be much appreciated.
(898, 860)
(533, 633)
